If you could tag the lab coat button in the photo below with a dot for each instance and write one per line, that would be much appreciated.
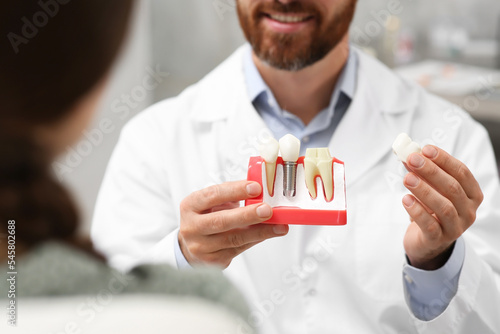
(408, 279)
(306, 139)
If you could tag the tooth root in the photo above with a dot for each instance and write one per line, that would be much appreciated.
(326, 172)
(270, 173)
(269, 150)
(325, 167)
(311, 171)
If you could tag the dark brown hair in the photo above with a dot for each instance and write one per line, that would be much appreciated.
(52, 53)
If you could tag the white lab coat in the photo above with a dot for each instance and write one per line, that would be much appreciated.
(317, 279)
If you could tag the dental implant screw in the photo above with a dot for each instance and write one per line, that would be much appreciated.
(289, 178)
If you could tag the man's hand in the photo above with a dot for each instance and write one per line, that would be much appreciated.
(443, 206)
(214, 229)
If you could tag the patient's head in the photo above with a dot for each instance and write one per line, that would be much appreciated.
(54, 58)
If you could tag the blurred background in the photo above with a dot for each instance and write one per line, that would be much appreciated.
(451, 47)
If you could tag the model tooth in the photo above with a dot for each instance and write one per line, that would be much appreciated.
(318, 162)
(290, 149)
(325, 167)
(269, 152)
(403, 146)
(311, 171)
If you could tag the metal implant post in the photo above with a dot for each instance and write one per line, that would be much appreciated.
(289, 178)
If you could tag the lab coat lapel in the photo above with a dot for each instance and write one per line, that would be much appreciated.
(244, 128)
(376, 116)
(223, 106)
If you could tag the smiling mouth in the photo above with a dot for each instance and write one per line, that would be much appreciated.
(288, 18)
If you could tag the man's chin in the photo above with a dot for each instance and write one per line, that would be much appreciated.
(284, 63)
(285, 57)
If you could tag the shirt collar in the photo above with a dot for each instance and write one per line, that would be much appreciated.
(256, 85)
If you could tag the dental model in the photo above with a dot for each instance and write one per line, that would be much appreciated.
(298, 199)
(269, 152)
(290, 148)
(403, 146)
(318, 163)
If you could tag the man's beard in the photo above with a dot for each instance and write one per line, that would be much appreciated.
(295, 51)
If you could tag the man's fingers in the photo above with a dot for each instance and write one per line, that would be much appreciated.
(221, 248)
(226, 206)
(223, 257)
(429, 226)
(440, 180)
(456, 169)
(442, 207)
(207, 198)
(255, 233)
(222, 221)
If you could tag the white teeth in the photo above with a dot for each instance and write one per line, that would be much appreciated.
(290, 148)
(288, 18)
(318, 162)
(269, 152)
(403, 146)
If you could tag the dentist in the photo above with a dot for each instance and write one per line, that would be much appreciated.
(420, 251)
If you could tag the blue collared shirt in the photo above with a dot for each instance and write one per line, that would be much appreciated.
(281, 122)
(422, 287)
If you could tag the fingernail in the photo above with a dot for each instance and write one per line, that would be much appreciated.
(430, 151)
(416, 160)
(279, 229)
(408, 201)
(253, 189)
(412, 180)
(264, 211)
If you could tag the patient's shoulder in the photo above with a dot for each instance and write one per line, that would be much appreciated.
(206, 283)
(58, 269)
(54, 268)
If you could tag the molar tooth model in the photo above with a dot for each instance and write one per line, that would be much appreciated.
(306, 190)
(319, 163)
(403, 146)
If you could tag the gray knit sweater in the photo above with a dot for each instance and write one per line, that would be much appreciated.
(54, 269)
